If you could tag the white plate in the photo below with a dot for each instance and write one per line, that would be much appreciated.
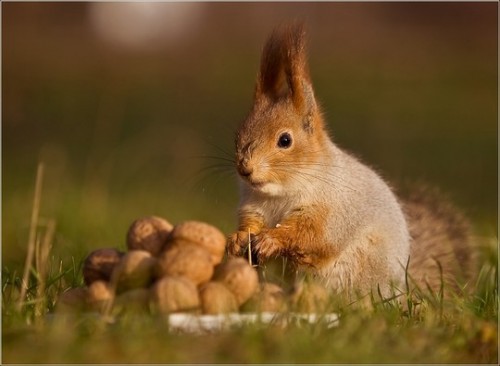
(191, 323)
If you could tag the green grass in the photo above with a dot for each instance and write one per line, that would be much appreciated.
(459, 330)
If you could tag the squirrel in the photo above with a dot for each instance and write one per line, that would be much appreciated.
(305, 199)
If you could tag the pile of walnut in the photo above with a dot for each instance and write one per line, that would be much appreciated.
(180, 268)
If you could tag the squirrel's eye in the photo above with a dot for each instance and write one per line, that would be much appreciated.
(285, 140)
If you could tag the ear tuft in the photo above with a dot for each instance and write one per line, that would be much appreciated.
(284, 70)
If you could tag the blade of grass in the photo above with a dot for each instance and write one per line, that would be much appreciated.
(249, 248)
(32, 234)
(43, 265)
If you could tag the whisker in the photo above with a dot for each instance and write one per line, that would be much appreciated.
(224, 152)
(336, 180)
(204, 178)
(214, 157)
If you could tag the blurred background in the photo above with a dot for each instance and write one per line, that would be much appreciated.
(126, 103)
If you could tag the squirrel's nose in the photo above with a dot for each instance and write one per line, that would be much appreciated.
(244, 170)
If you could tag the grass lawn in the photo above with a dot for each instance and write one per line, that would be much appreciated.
(460, 330)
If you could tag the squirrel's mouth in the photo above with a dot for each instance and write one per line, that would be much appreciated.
(264, 187)
(253, 183)
(258, 185)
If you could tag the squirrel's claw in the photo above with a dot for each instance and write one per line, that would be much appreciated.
(266, 246)
(237, 243)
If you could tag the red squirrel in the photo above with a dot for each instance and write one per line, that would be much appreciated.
(304, 198)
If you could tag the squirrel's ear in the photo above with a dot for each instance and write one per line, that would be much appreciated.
(283, 69)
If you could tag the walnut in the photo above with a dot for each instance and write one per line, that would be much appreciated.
(99, 264)
(134, 270)
(205, 235)
(216, 299)
(309, 297)
(148, 233)
(239, 277)
(174, 294)
(136, 300)
(189, 260)
(99, 296)
(268, 298)
(73, 300)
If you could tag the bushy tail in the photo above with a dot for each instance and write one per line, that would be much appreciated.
(442, 250)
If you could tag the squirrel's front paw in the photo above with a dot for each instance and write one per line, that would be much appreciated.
(266, 246)
(238, 242)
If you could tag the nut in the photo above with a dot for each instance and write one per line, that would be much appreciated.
(309, 297)
(99, 264)
(205, 235)
(174, 294)
(217, 299)
(239, 277)
(134, 270)
(99, 295)
(148, 233)
(187, 260)
(269, 298)
(136, 300)
(73, 300)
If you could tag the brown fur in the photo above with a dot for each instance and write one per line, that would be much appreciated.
(441, 250)
(284, 65)
(297, 238)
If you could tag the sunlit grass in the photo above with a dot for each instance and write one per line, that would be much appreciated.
(419, 327)
(462, 329)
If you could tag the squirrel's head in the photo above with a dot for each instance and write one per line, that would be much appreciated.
(281, 144)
